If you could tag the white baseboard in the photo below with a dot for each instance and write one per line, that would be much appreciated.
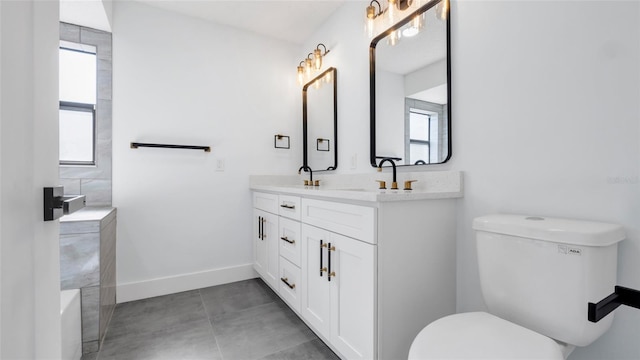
(173, 284)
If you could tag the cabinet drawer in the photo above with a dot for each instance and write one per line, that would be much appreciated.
(289, 288)
(289, 239)
(266, 202)
(289, 206)
(351, 220)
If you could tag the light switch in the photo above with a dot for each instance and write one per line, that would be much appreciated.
(219, 164)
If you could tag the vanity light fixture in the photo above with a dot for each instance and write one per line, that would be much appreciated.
(389, 13)
(311, 63)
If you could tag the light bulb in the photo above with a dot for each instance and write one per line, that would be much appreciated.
(308, 64)
(317, 59)
(391, 12)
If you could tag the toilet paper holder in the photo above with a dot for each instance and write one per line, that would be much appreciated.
(621, 296)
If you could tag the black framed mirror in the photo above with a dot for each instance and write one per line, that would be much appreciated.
(410, 88)
(320, 121)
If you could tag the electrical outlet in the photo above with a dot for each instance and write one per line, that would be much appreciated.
(219, 164)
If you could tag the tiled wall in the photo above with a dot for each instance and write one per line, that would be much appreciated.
(87, 262)
(93, 181)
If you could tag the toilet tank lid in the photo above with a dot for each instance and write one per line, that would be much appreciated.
(566, 231)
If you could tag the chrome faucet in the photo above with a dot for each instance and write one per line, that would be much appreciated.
(310, 181)
(394, 183)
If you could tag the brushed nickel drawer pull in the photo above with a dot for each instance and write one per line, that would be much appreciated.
(286, 281)
(287, 240)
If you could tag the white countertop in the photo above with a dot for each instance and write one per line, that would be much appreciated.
(433, 185)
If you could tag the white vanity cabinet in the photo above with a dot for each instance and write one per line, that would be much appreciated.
(366, 276)
(338, 290)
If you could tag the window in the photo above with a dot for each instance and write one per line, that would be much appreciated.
(423, 136)
(77, 103)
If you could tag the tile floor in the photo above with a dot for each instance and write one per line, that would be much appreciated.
(243, 320)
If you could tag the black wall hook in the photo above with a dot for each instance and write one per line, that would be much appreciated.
(621, 296)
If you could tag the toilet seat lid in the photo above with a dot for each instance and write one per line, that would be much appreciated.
(480, 335)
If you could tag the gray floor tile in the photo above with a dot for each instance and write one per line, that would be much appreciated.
(154, 314)
(193, 340)
(241, 295)
(311, 350)
(90, 356)
(259, 331)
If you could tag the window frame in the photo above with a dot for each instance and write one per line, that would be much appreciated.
(81, 107)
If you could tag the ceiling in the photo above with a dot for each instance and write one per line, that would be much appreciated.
(289, 20)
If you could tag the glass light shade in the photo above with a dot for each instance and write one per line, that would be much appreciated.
(301, 75)
(369, 24)
(391, 12)
(308, 64)
(317, 59)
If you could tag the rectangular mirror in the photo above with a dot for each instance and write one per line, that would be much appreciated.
(410, 92)
(320, 121)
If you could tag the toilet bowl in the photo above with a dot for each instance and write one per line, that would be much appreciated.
(480, 335)
(537, 276)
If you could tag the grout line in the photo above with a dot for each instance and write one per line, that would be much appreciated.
(215, 339)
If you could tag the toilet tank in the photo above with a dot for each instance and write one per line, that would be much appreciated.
(541, 273)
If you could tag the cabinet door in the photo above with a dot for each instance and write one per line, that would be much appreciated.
(315, 290)
(352, 297)
(265, 250)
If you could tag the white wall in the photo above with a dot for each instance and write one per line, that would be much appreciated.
(180, 80)
(29, 247)
(343, 34)
(545, 122)
(545, 119)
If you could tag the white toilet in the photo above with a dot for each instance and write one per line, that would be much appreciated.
(537, 277)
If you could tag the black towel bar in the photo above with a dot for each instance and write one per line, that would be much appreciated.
(135, 145)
